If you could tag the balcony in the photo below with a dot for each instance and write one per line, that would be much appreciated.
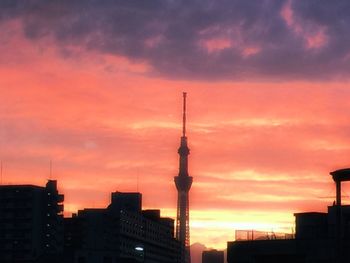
(60, 198)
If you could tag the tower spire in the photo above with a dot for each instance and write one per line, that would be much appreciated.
(184, 115)
(183, 184)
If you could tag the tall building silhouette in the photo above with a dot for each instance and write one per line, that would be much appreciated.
(121, 233)
(183, 184)
(31, 223)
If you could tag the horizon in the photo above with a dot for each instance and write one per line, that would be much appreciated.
(96, 89)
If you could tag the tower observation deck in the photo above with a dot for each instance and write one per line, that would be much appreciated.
(183, 184)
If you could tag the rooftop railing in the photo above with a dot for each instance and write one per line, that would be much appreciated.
(249, 235)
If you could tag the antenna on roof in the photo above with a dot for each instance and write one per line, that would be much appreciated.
(184, 115)
(1, 172)
(50, 177)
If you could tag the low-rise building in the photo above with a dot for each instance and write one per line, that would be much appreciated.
(314, 241)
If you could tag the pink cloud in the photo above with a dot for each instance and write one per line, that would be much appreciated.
(314, 36)
(216, 45)
(250, 51)
(317, 39)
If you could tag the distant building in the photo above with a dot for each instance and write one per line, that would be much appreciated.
(213, 256)
(122, 232)
(31, 223)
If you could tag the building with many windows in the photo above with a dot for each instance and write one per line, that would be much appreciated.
(31, 223)
(122, 232)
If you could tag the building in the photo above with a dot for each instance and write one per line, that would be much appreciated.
(183, 184)
(31, 223)
(319, 237)
(314, 241)
(213, 256)
(122, 232)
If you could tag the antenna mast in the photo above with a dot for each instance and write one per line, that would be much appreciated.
(184, 115)
(50, 169)
(137, 183)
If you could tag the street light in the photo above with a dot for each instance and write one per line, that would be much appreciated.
(139, 249)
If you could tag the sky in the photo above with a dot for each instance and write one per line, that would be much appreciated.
(96, 87)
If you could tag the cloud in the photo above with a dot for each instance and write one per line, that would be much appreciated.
(211, 40)
(109, 127)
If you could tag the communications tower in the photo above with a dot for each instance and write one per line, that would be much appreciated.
(183, 184)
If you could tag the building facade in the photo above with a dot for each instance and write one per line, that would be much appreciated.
(31, 223)
(122, 232)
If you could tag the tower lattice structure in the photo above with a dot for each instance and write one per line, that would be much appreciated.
(183, 184)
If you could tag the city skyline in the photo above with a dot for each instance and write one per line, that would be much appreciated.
(269, 105)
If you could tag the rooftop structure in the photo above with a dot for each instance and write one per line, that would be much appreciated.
(319, 237)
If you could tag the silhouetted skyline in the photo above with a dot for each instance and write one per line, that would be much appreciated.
(33, 229)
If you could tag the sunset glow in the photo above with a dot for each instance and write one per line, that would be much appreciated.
(104, 105)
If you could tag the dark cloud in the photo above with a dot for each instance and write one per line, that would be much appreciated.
(212, 40)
